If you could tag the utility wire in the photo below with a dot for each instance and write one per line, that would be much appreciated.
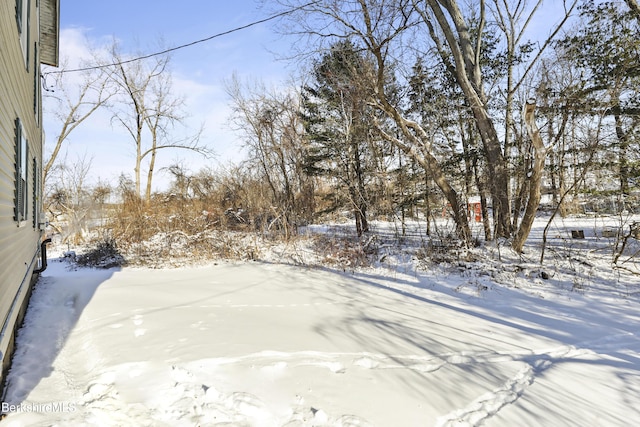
(151, 55)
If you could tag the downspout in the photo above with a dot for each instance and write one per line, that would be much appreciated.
(43, 256)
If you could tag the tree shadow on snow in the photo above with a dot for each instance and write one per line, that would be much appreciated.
(453, 346)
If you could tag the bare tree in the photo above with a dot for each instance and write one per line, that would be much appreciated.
(69, 199)
(163, 117)
(513, 20)
(272, 130)
(147, 109)
(133, 80)
(455, 40)
(534, 176)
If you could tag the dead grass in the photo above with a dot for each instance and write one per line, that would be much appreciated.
(341, 251)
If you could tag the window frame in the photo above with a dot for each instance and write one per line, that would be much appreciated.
(37, 193)
(23, 18)
(37, 84)
(21, 202)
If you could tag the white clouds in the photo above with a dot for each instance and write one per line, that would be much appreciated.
(77, 47)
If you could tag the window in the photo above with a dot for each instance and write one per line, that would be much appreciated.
(21, 191)
(37, 93)
(37, 193)
(19, 14)
(22, 19)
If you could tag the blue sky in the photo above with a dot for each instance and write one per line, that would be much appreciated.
(140, 24)
(199, 71)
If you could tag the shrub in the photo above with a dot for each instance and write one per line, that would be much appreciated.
(104, 255)
(343, 252)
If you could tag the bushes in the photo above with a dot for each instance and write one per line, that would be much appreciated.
(177, 248)
(215, 217)
(342, 251)
(105, 255)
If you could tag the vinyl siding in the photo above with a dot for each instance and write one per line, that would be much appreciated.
(19, 243)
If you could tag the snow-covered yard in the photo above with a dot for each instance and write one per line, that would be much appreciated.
(267, 344)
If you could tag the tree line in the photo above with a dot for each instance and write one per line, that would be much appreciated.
(414, 108)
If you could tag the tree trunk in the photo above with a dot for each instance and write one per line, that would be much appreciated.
(459, 209)
(499, 183)
(434, 171)
(362, 197)
(139, 124)
(469, 77)
(137, 172)
(535, 177)
(427, 202)
(623, 141)
(152, 164)
(486, 223)
(54, 155)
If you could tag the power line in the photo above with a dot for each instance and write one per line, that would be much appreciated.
(151, 55)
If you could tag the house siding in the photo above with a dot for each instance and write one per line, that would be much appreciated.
(19, 242)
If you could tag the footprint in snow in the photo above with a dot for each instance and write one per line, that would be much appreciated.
(352, 421)
(366, 362)
(96, 392)
(200, 325)
(246, 403)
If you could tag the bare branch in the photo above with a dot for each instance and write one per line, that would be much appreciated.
(75, 106)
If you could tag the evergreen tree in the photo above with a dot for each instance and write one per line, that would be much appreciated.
(337, 122)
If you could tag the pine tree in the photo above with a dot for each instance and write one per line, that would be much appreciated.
(337, 123)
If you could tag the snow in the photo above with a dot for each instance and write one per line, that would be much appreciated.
(400, 343)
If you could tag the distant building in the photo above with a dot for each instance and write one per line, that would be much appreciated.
(29, 34)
